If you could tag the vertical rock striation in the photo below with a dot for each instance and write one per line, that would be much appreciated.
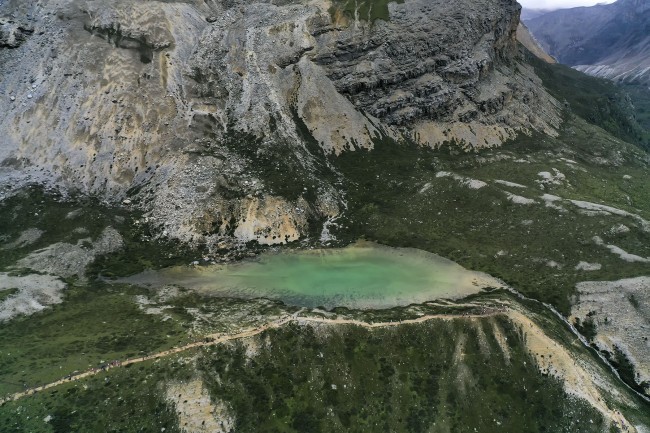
(218, 118)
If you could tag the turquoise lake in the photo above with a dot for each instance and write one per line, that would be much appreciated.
(364, 275)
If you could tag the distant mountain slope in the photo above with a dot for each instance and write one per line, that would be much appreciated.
(631, 65)
(609, 41)
(529, 14)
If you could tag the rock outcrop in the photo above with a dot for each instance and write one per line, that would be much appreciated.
(13, 33)
(220, 119)
(616, 314)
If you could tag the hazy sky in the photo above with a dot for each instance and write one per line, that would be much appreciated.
(556, 4)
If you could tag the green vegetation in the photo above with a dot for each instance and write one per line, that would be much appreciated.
(139, 254)
(60, 220)
(105, 322)
(587, 327)
(446, 375)
(598, 101)
(626, 369)
(441, 375)
(413, 378)
(74, 219)
(92, 326)
(122, 400)
(640, 97)
(285, 169)
(395, 197)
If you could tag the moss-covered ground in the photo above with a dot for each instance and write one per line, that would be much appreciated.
(397, 197)
(120, 400)
(91, 327)
(439, 376)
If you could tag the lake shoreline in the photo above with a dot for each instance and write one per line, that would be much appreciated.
(363, 275)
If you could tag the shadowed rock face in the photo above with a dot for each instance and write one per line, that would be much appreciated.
(610, 41)
(13, 33)
(216, 117)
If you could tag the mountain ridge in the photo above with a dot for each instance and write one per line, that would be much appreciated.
(608, 40)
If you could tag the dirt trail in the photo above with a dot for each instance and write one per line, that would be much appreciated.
(371, 325)
(576, 379)
(213, 339)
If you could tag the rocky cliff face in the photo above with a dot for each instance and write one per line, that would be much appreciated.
(220, 119)
(610, 41)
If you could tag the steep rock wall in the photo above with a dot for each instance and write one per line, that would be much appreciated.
(216, 118)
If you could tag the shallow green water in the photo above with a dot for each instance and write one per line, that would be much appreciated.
(361, 276)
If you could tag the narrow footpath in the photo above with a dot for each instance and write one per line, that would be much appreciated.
(213, 339)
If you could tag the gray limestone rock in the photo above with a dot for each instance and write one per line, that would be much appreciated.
(218, 118)
(13, 33)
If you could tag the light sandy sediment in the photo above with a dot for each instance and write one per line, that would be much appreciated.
(518, 199)
(620, 313)
(510, 184)
(579, 377)
(196, 411)
(465, 181)
(586, 266)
